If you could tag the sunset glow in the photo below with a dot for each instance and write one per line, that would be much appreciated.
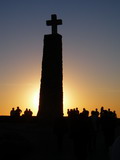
(66, 102)
(35, 101)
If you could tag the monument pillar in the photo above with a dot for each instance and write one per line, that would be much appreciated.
(51, 89)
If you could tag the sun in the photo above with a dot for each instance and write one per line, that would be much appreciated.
(36, 99)
(67, 101)
(35, 102)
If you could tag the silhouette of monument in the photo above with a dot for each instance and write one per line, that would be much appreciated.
(51, 89)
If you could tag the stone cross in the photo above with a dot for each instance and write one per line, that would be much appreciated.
(54, 22)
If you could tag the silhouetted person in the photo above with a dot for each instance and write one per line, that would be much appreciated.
(114, 114)
(30, 113)
(101, 111)
(77, 111)
(26, 113)
(12, 112)
(96, 112)
(18, 111)
(85, 112)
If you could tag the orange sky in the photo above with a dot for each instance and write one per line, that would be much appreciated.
(26, 95)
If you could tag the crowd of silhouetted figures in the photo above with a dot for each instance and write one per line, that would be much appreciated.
(84, 130)
(16, 113)
(85, 113)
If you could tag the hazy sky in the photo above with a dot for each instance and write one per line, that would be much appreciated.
(91, 52)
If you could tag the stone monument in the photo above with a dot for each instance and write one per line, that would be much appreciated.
(51, 89)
